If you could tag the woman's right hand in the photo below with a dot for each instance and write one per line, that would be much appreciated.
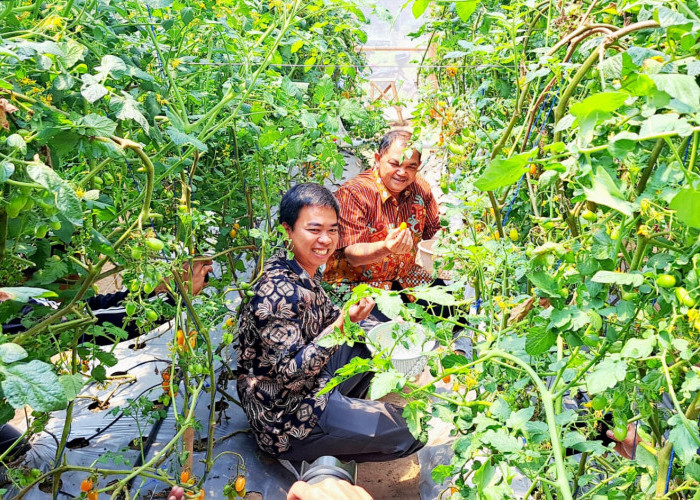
(361, 310)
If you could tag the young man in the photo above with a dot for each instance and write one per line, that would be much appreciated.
(373, 247)
(282, 366)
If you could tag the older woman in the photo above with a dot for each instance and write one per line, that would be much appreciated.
(282, 367)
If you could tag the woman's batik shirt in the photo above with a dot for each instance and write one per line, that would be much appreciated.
(279, 359)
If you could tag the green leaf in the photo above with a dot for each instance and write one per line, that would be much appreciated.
(385, 382)
(667, 122)
(504, 172)
(667, 17)
(7, 413)
(72, 384)
(465, 8)
(606, 374)
(6, 170)
(16, 141)
(24, 293)
(413, 412)
(681, 87)
(324, 90)
(684, 436)
(434, 295)
(99, 373)
(441, 472)
(638, 348)
(687, 204)
(606, 192)
(594, 109)
(452, 360)
(419, 7)
(501, 441)
(65, 198)
(181, 139)
(11, 352)
(352, 110)
(92, 90)
(631, 279)
(34, 384)
(296, 46)
(539, 341)
(517, 420)
(389, 303)
(128, 109)
(109, 66)
(96, 125)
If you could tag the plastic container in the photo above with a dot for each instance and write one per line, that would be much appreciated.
(406, 342)
(425, 258)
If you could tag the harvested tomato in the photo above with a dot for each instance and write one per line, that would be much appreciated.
(403, 226)
(86, 485)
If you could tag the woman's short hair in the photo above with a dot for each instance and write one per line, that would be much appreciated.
(305, 195)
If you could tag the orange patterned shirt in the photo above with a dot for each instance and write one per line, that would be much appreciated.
(367, 212)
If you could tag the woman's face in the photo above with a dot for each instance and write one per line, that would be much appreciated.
(314, 237)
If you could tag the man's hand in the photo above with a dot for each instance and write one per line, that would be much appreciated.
(198, 276)
(177, 493)
(328, 489)
(627, 446)
(399, 241)
(361, 310)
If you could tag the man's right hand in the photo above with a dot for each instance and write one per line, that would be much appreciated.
(399, 241)
(361, 310)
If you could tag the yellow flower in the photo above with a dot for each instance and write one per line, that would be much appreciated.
(46, 99)
(79, 192)
(175, 62)
(643, 231)
(26, 81)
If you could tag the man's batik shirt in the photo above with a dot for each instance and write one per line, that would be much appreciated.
(279, 359)
(367, 212)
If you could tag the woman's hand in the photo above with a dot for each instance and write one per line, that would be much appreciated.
(361, 310)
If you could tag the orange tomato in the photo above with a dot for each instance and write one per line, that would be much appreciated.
(533, 169)
(184, 476)
(93, 495)
(447, 379)
(86, 485)
(192, 338)
(403, 226)
(239, 485)
(180, 336)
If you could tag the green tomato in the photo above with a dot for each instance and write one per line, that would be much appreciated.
(599, 402)
(456, 149)
(589, 216)
(154, 244)
(666, 281)
(151, 315)
(55, 225)
(513, 234)
(108, 178)
(148, 287)
(97, 180)
(130, 309)
(245, 286)
(134, 285)
(684, 297)
(630, 296)
(620, 431)
(136, 253)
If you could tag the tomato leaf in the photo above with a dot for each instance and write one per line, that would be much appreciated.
(539, 341)
(181, 139)
(684, 436)
(605, 191)
(34, 384)
(465, 8)
(419, 6)
(385, 382)
(687, 204)
(11, 352)
(595, 109)
(638, 348)
(606, 374)
(504, 171)
(72, 384)
(631, 279)
(65, 198)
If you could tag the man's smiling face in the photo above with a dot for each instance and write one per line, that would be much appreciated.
(396, 174)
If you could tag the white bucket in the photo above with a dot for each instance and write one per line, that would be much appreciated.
(405, 341)
(425, 258)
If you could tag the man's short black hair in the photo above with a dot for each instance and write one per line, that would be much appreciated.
(391, 137)
(305, 195)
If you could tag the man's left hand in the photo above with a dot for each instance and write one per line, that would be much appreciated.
(361, 310)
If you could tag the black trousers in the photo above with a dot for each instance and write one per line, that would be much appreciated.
(351, 428)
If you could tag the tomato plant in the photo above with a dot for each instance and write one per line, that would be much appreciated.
(135, 137)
